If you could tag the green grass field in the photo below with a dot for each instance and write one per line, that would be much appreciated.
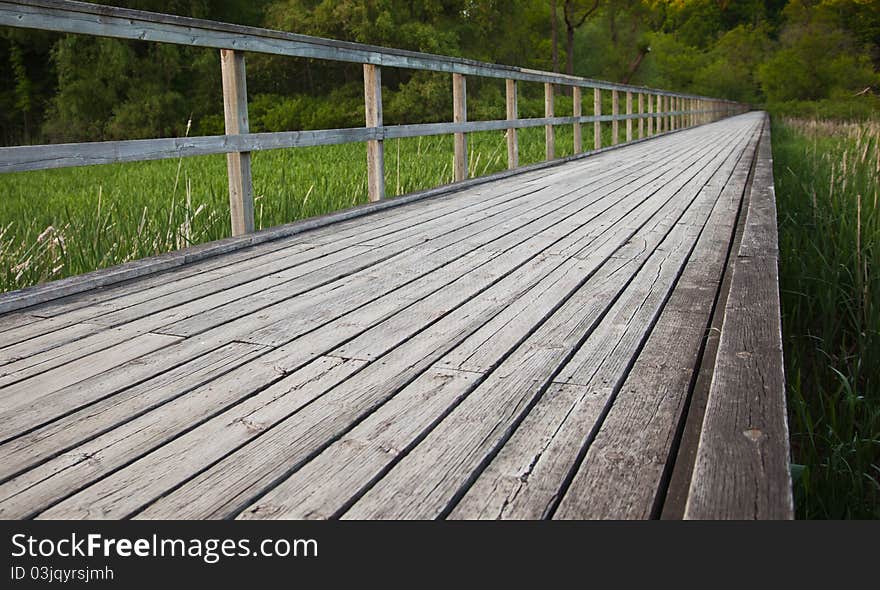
(58, 223)
(829, 223)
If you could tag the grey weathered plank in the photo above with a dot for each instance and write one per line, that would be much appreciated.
(622, 471)
(271, 373)
(742, 463)
(383, 373)
(29, 492)
(410, 489)
(391, 343)
(375, 147)
(228, 331)
(56, 437)
(23, 398)
(238, 164)
(43, 157)
(459, 115)
(323, 487)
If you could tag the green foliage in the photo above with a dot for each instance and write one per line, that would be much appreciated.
(841, 108)
(731, 66)
(673, 64)
(815, 59)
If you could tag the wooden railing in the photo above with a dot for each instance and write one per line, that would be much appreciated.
(657, 111)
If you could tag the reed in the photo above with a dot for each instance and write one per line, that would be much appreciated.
(827, 181)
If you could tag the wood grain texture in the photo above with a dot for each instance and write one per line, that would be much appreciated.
(238, 164)
(459, 115)
(549, 135)
(511, 107)
(577, 105)
(375, 148)
(621, 473)
(615, 122)
(629, 121)
(415, 362)
(742, 464)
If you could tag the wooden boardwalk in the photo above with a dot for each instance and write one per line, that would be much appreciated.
(531, 347)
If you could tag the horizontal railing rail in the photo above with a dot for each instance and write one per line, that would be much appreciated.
(658, 111)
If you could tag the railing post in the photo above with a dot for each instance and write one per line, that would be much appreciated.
(597, 112)
(615, 111)
(675, 122)
(629, 111)
(549, 139)
(576, 112)
(459, 115)
(641, 112)
(666, 109)
(658, 115)
(238, 164)
(650, 114)
(375, 147)
(681, 120)
(512, 114)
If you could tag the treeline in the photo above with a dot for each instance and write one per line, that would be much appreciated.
(800, 56)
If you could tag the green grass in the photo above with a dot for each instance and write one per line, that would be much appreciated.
(829, 221)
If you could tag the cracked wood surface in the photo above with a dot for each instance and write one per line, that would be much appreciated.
(525, 348)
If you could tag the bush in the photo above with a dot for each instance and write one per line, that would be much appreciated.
(841, 108)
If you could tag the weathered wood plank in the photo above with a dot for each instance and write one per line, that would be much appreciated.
(615, 113)
(227, 331)
(238, 164)
(641, 113)
(629, 121)
(380, 380)
(56, 437)
(512, 114)
(577, 106)
(549, 135)
(409, 490)
(459, 115)
(375, 148)
(621, 474)
(742, 464)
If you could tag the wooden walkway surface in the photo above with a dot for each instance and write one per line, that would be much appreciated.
(533, 347)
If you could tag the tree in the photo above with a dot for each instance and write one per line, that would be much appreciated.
(572, 23)
(554, 34)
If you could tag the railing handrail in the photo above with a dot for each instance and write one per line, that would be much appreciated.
(673, 109)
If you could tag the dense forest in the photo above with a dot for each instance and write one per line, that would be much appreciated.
(799, 56)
